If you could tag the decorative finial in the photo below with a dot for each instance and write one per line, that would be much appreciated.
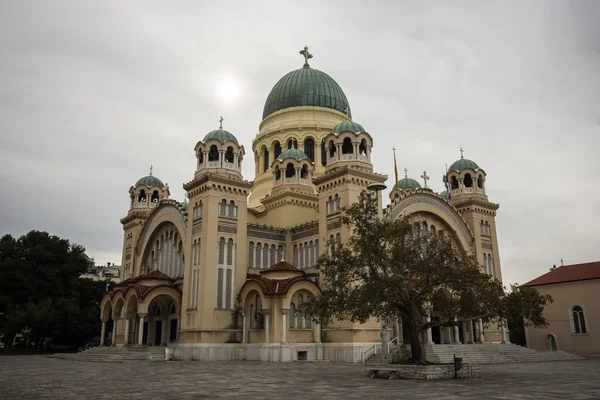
(405, 172)
(306, 55)
(461, 153)
(425, 178)
(185, 197)
(346, 111)
(446, 165)
(221, 123)
(282, 256)
(562, 264)
(151, 170)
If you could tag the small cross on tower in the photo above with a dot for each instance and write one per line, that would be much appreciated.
(306, 55)
(462, 153)
(405, 172)
(425, 178)
(151, 170)
(221, 123)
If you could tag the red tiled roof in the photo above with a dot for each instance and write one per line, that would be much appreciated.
(151, 275)
(282, 266)
(272, 287)
(568, 273)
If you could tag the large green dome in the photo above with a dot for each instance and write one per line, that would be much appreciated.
(306, 87)
(221, 135)
(150, 181)
(463, 163)
(292, 153)
(407, 183)
(348, 126)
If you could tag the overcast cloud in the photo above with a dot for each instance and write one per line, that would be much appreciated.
(93, 92)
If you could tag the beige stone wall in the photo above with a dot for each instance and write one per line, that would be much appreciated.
(565, 295)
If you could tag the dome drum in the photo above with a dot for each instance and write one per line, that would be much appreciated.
(219, 150)
(148, 192)
(348, 142)
(292, 167)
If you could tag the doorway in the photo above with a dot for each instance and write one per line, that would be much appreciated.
(158, 332)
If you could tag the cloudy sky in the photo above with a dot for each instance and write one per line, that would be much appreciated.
(93, 92)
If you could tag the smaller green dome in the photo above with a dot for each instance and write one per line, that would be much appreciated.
(221, 135)
(150, 181)
(185, 206)
(348, 126)
(292, 153)
(407, 183)
(463, 163)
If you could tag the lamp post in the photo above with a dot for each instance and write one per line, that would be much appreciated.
(378, 187)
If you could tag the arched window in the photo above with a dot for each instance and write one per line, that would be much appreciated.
(306, 256)
(279, 253)
(309, 149)
(331, 244)
(578, 319)
(331, 149)
(323, 154)
(482, 227)
(290, 171)
(223, 208)
(201, 157)
(491, 265)
(213, 153)
(277, 150)
(222, 251)
(480, 182)
(304, 172)
(432, 229)
(300, 321)
(337, 202)
(301, 256)
(424, 227)
(265, 260)
(252, 317)
(312, 254)
(338, 241)
(266, 157)
(277, 173)
(292, 144)
(232, 209)
(488, 231)
(257, 264)
(230, 252)
(362, 149)
(155, 196)
(251, 255)
(347, 147)
(142, 196)
(292, 316)
(296, 255)
(454, 183)
(468, 181)
(273, 255)
(316, 250)
(259, 314)
(229, 155)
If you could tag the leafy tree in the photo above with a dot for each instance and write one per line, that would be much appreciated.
(390, 268)
(525, 307)
(40, 289)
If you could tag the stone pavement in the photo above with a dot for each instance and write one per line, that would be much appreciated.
(39, 377)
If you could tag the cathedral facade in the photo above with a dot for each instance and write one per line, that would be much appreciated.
(224, 276)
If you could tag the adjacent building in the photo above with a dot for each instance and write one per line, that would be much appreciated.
(574, 316)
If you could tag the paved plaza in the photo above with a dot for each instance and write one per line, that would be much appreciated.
(39, 377)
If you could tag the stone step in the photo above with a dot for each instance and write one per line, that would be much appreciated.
(115, 354)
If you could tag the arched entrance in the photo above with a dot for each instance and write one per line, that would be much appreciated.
(163, 321)
(551, 342)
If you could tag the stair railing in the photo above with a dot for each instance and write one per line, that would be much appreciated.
(367, 353)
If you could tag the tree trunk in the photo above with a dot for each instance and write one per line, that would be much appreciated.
(418, 352)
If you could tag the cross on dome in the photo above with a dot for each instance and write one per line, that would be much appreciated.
(347, 112)
(461, 153)
(405, 172)
(151, 169)
(425, 178)
(221, 123)
(306, 55)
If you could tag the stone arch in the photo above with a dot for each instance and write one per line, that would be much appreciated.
(131, 302)
(159, 291)
(300, 286)
(248, 288)
(119, 303)
(106, 308)
(432, 204)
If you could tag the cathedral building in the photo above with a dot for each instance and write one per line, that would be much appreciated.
(224, 275)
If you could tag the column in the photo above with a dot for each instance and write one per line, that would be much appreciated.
(244, 328)
(114, 331)
(127, 319)
(165, 331)
(398, 331)
(235, 161)
(355, 150)
(103, 332)
(284, 326)
(338, 153)
(267, 326)
(221, 156)
(205, 164)
(503, 328)
(481, 338)
(465, 333)
(318, 332)
(298, 174)
(456, 333)
(429, 338)
(141, 330)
